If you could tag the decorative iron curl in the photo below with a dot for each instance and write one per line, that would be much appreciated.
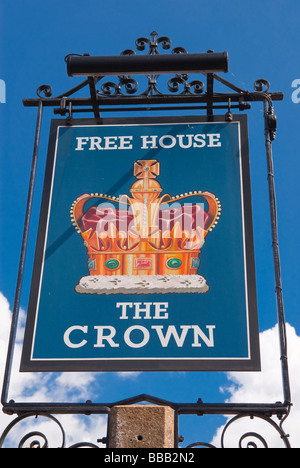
(128, 52)
(179, 50)
(175, 82)
(34, 443)
(249, 439)
(252, 444)
(255, 437)
(141, 43)
(37, 439)
(131, 85)
(262, 86)
(46, 90)
(110, 89)
(197, 85)
(193, 88)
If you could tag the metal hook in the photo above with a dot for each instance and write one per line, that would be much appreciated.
(228, 115)
(70, 116)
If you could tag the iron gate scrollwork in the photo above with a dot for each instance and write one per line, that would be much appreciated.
(251, 439)
(123, 94)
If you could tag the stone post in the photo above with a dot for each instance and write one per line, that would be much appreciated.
(141, 426)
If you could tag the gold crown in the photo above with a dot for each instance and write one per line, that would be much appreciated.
(145, 233)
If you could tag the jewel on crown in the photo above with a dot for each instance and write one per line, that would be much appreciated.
(146, 233)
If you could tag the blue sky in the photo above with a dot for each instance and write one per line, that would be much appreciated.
(262, 42)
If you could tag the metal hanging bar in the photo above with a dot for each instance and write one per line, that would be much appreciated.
(270, 129)
(16, 307)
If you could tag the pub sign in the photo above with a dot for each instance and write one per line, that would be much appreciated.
(144, 256)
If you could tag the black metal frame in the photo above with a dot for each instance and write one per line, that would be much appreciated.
(122, 95)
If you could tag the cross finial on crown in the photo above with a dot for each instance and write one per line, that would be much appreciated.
(146, 169)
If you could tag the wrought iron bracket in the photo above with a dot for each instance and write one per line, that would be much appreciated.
(254, 411)
(124, 90)
(119, 94)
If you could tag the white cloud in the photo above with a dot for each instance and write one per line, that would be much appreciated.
(46, 387)
(266, 387)
(128, 375)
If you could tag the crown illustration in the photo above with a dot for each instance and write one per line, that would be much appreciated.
(146, 233)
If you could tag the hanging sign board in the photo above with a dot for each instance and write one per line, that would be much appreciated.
(144, 257)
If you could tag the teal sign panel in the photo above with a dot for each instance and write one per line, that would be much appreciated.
(144, 257)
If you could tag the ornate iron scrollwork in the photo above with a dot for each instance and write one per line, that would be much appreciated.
(250, 439)
(128, 85)
(253, 439)
(33, 439)
(46, 90)
(193, 88)
(153, 89)
(141, 42)
(37, 439)
(262, 86)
